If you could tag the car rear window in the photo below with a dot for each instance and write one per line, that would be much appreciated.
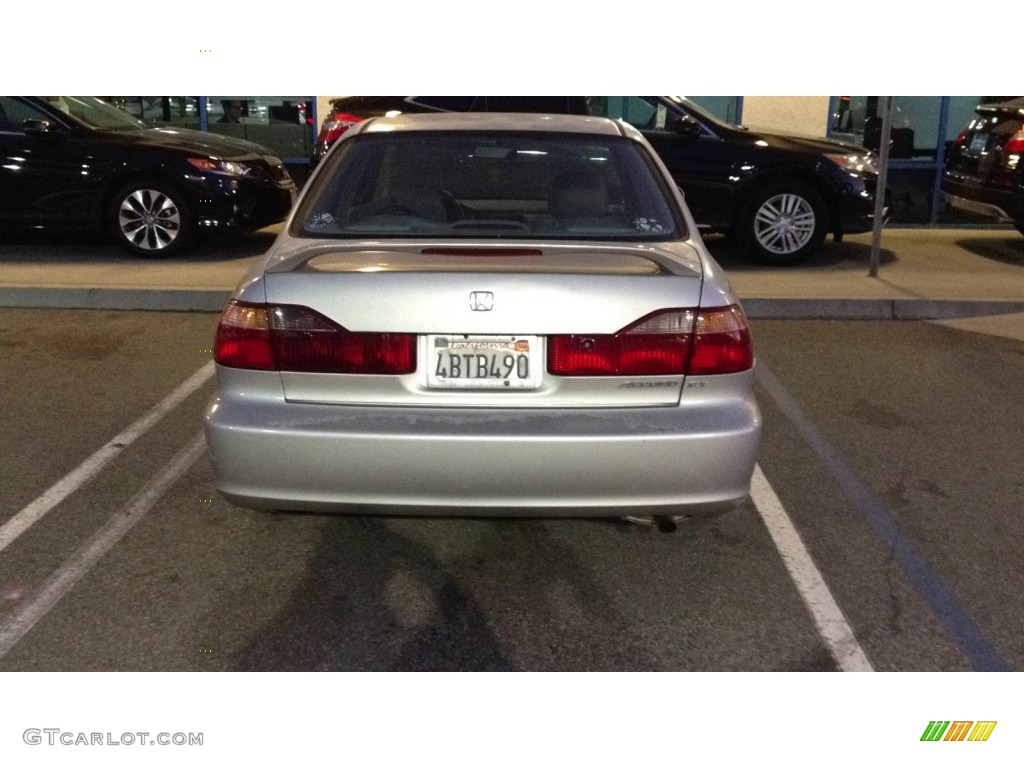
(490, 184)
(990, 131)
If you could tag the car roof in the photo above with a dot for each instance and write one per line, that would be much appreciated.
(1010, 106)
(498, 121)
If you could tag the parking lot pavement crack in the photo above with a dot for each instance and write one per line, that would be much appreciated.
(939, 597)
(895, 604)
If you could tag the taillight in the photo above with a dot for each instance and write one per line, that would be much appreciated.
(1015, 144)
(672, 342)
(721, 342)
(291, 338)
(335, 125)
(243, 338)
(960, 137)
(657, 345)
(304, 340)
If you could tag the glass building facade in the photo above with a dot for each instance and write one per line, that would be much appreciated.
(923, 129)
(288, 125)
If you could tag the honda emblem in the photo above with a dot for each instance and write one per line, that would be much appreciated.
(481, 301)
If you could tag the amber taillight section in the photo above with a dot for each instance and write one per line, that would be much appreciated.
(243, 338)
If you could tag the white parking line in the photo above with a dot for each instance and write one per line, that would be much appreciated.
(81, 562)
(825, 612)
(89, 468)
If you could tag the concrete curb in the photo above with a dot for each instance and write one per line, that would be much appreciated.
(115, 298)
(875, 309)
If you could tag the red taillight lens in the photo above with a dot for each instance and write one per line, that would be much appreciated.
(617, 356)
(243, 338)
(657, 345)
(336, 125)
(1015, 144)
(960, 137)
(304, 340)
(299, 339)
(721, 342)
(674, 342)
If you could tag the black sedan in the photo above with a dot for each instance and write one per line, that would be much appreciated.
(984, 175)
(779, 195)
(77, 162)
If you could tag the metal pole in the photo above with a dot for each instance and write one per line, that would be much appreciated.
(883, 174)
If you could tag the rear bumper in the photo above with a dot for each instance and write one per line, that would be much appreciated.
(693, 460)
(1001, 207)
(994, 196)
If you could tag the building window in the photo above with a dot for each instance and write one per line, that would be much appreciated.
(283, 124)
(922, 129)
(176, 111)
(727, 108)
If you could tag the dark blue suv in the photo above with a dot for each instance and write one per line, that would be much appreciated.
(984, 175)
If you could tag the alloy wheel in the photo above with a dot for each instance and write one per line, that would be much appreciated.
(149, 219)
(784, 223)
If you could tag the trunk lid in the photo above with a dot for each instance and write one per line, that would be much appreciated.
(459, 292)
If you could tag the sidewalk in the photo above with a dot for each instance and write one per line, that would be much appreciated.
(924, 274)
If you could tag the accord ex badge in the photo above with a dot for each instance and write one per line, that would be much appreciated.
(481, 301)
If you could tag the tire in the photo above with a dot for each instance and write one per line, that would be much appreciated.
(151, 219)
(783, 223)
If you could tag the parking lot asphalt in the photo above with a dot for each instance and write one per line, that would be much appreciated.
(862, 476)
(885, 454)
(924, 274)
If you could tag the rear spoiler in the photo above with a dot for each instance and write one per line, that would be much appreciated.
(522, 257)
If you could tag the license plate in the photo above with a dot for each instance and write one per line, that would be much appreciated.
(484, 362)
(979, 142)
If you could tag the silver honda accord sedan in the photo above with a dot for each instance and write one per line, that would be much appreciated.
(486, 314)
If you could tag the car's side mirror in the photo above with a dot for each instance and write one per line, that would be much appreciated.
(39, 127)
(686, 126)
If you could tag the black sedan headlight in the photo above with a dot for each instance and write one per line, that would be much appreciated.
(227, 167)
(857, 162)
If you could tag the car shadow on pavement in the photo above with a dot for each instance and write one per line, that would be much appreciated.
(849, 254)
(390, 594)
(1008, 250)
